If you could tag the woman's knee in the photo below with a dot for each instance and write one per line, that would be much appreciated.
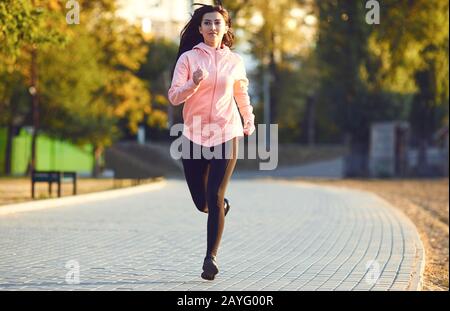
(215, 199)
(202, 206)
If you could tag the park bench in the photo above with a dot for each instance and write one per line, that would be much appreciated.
(51, 177)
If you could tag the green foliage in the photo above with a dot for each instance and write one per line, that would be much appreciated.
(100, 79)
(412, 46)
(156, 71)
(88, 84)
(21, 23)
(281, 42)
(357, 73)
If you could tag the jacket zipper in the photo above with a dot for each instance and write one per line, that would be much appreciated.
(214, 90)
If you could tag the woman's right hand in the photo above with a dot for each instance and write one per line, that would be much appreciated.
(200, 75)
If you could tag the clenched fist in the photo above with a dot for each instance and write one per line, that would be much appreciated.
(249, 127)
(200, 75)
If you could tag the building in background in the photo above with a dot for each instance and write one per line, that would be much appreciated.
(388, 155)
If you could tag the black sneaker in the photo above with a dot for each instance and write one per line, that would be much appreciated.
(210, 268)
(227, 206)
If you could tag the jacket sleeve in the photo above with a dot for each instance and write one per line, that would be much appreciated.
(241, 93)
(181, 87)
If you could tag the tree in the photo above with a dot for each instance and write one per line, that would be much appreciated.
(412, 44)
(123, 52)
(12, 90)
(342, 51)
(87, 85)
(21, 27)
(281, 36)
(102, 87)
(156, 71)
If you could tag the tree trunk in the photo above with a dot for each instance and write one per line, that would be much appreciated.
(8, 151)
(422, 161)
(97, 152)
(310, 120)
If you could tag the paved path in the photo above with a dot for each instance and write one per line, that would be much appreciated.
(278, 236)
(330, 169)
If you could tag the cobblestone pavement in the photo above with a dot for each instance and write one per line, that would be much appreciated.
(278, 236)
(332, 169)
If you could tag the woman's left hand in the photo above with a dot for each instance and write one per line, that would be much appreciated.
(249, 127)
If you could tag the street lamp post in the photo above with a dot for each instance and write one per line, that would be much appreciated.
(266, 92)
(34, 108)
(34, 103)
(257, 21)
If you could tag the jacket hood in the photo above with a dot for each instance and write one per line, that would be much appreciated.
(210, 50)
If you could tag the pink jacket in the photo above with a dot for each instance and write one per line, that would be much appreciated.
(210, 114)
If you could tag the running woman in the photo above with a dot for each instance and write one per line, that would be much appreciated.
(211, 81)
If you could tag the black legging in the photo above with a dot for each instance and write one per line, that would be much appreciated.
(207, 180)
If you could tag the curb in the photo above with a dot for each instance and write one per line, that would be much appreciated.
(416, 277)
(82, 198)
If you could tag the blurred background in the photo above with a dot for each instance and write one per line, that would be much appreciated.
(366, 99)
